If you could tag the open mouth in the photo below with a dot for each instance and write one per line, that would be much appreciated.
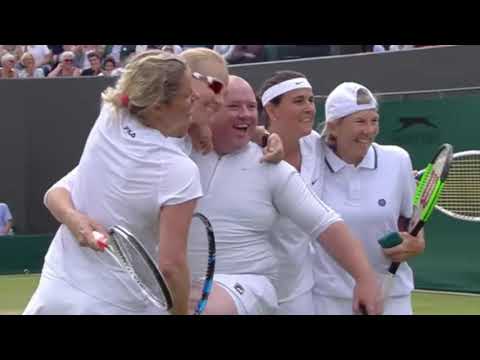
(242, 128)
(364, 142)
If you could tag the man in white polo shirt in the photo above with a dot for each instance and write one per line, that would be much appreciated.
(371, 186)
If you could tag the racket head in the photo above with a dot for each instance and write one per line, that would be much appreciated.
(460, 197)
(133, 258)
(430, 187)
(201, 259)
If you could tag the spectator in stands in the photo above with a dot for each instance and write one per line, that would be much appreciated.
(379, 48)
(6, 220)
(236, 54)
(29, 69)
(174, 49)
(109, 65)
(15, 50)
(401, 47)
(8, 70)
(81, 52)
(43, 56)
(65, 67)
(95, 65)
(120, 52)
(56, 52)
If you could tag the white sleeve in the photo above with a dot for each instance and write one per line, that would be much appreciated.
(66, 182)
(294, 199)
(185, 144)
(182, 184)
(7, 214)
(409, 187)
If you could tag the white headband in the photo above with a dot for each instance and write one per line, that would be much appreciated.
(284, 87)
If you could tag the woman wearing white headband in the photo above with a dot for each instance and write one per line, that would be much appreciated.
(289, 111)
(371, 187)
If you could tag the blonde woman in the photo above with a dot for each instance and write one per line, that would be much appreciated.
(130, 174)
(29, 69)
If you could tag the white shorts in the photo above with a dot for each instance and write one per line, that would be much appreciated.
(252, 294)
(299, 305)
(326, 305)
(55, 296)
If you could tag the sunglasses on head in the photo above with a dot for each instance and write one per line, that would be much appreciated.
(214, 84)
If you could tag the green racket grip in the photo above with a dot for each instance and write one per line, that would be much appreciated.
(391, 240)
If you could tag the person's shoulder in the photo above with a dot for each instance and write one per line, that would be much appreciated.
(180, 165)
(392, 151)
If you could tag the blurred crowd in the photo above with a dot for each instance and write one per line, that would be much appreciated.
(38, 61)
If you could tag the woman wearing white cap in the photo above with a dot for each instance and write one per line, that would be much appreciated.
(372, 188)
(289, 111)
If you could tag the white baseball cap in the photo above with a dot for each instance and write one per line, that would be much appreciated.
(348, 98)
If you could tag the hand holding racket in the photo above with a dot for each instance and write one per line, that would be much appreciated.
(428, 192)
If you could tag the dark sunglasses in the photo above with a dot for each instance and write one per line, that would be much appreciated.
(67, 60)
(214, 84)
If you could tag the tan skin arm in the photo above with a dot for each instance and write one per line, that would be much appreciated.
(173, 234)
(60, 205)
(339, 242)
(7, 228)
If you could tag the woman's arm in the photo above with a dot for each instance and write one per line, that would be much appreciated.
(173, 234)
(59, 202)
(295, 200)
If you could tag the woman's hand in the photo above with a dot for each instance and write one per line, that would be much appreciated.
(410, 246)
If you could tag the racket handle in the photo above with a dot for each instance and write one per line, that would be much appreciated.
(391, 240)
(98, 237)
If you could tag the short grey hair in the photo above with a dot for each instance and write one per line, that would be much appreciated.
(7, 57)
(65, 54)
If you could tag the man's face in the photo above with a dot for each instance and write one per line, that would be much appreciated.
(94, 62)
(234, 124)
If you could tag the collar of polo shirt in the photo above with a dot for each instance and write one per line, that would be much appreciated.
(335, 163)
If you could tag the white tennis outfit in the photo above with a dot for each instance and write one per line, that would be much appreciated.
(292, 246)
(370, 198)
(243, 199)
(127, 172)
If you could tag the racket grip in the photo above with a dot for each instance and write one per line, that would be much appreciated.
(101, 244)
(391, 240)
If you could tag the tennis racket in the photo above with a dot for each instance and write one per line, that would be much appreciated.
(427, 194)
(460, 197)
(201, 260)
(132, 257)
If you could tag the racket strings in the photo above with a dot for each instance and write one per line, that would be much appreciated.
(461, 194)
(137, 267)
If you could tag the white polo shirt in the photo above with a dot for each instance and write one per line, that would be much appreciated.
(370, 198)
(243, 199)
(127, 172)
(291, 244)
